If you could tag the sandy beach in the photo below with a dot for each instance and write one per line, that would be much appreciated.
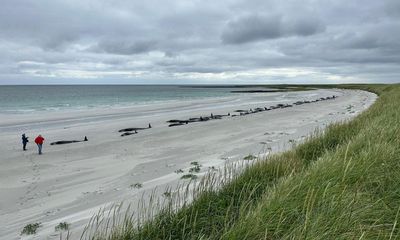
(72, 182)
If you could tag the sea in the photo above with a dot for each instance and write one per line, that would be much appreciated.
(35, 98)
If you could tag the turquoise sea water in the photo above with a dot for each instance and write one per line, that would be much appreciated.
(23, 99)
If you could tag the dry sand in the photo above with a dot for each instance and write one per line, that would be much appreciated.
(71, 182)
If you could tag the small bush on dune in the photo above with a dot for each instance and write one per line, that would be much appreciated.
(136, 185)
(178, 171)
(62, 226)
(30, 228)
(195, 169)
(189, 176)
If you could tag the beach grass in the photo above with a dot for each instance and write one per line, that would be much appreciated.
(62, 226)
(189, 176)
(136, 185)
(31, 228)
(341, 183)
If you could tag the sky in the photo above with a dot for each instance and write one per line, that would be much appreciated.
(199, 41)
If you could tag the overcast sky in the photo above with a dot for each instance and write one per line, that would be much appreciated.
(201, 41)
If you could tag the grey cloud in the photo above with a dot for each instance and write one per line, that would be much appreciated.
(252, 28)
(256, 27)
(54, 25)
(126, 47)
(305, 26)
(365, 42)
(392, 7)
(337, 37)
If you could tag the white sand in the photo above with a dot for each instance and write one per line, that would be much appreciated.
(71, 182)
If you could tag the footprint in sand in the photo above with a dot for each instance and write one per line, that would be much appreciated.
(52, 212)
(30, 193)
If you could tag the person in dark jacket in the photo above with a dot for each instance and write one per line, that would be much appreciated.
(24, 141)
(39, 141)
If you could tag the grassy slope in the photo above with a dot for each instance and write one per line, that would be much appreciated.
(351, 192)
(342, 184)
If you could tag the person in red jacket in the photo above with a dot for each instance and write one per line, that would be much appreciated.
(39, 141)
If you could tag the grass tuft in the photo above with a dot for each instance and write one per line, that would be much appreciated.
(30, 229)
(189, 176)
(136, 185)
(195, 169)
(62, 226)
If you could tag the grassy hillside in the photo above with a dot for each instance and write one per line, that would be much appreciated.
(343, 184)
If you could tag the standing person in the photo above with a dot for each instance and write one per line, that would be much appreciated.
(24, 141)
(39, 141)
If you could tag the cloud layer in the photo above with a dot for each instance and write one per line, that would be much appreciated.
(256, 28)
(232, 41)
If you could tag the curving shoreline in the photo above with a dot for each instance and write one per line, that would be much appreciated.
(70, 182)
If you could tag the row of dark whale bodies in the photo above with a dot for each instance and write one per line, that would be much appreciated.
(180, 122)
(240, 112)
